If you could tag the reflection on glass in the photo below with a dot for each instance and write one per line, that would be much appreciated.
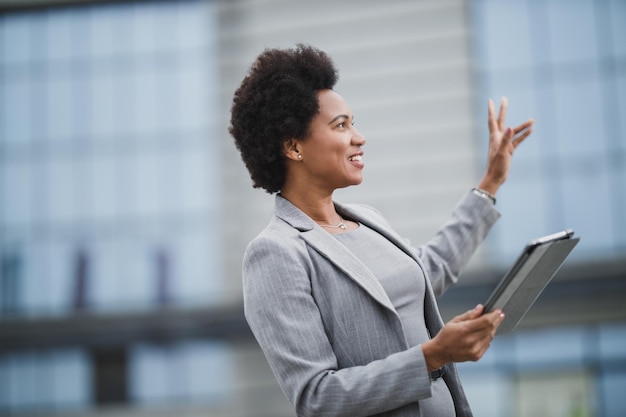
(81, 281)
(10, 282)
(162, 271)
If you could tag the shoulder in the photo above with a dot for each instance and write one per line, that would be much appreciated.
(277, 243)
(276, 263)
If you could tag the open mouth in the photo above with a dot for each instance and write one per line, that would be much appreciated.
(355, 158)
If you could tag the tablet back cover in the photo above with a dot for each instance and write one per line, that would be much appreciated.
(529, 281)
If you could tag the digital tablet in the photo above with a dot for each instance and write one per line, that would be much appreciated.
(529, 275)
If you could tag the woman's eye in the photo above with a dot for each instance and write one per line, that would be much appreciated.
(344, 124)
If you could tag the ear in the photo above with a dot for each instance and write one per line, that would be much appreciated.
(291, 149)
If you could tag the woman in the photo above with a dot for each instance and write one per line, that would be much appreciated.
(344, 308)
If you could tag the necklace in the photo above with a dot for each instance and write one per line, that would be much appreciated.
(341, 225)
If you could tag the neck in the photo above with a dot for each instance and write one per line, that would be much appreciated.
(315, 204)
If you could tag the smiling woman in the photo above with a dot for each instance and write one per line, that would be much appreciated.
(344, 308)
(329, 157)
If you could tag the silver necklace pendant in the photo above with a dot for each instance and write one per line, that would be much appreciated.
(341, 225)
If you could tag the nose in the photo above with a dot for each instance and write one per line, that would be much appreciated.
(357, 138)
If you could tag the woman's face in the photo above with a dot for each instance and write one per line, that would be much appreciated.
(331, 153)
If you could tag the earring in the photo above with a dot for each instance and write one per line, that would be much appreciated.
(299, 156)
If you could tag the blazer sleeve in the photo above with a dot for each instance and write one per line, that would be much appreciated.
(450, 250)
(287, 324)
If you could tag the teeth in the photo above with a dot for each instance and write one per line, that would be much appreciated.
(355, 158)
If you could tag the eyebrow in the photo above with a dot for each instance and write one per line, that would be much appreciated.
(339, 117)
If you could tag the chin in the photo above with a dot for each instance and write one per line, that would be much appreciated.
(355, 182)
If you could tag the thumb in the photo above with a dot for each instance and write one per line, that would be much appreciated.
(470, 314)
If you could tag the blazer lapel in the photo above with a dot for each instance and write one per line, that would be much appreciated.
(329, 247)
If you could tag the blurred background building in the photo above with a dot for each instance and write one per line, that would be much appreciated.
(125, 210)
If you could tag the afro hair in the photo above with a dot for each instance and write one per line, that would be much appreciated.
(276, 101)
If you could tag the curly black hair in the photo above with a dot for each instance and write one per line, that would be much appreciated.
(276, 101)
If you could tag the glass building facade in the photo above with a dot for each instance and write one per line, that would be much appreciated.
(563, 63)
(108, 167)
(108, 182)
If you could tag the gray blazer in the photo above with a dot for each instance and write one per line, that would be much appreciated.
(328, 329)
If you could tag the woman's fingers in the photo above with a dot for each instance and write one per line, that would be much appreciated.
(504, 104)
(528, 123)
(522, 131)
(491, 111)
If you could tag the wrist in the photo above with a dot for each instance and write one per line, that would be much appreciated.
(431, 356)
(489, 185)
(484, 194)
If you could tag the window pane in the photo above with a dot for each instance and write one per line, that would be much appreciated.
(576, 102)
(555, 395)
(168, 98)
(16, 35)
(24, 377)
(59, 189)
(36, 278)
(60, 34)
(59, 109)
(546, 347)
(488, 394)
(104, 101)
(571, 30)
(198, 186)
(106, 181)
(104, 24)
(511, 233)
(146, 101)
(70, 382)
(17, 108)
(171, 167)
(136, 278)
(107, 282)
(156, 26)
(621, 94)
(195, 108)
(618, 17)
(152, 373)
(16, 192)
(584, 192)
(62, 262)
(208, 370)
(145, 182)
(612, 390)
(197, 275)
(512, 50)
(197, 371)
(197, 24)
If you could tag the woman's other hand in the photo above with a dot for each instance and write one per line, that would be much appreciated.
(502, 143)
(464, 338)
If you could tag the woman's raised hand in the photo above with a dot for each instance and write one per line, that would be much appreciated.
(502, 143)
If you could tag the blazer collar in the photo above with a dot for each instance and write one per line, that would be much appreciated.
(333, 250)
(296, 218)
